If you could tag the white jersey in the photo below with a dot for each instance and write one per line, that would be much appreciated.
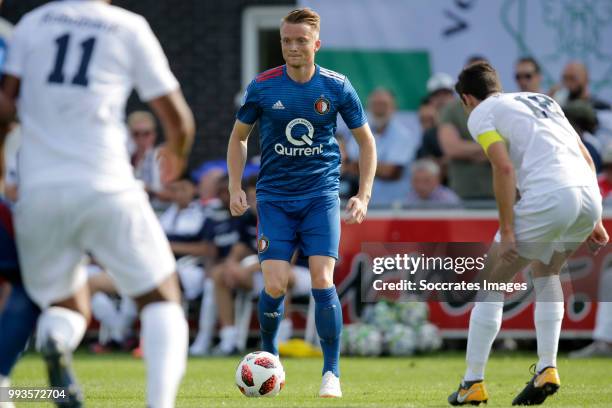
(543, 145)
(78, 62)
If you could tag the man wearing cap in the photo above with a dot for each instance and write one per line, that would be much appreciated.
(439, 94)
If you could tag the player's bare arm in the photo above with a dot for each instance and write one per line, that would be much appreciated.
(357, 206)
(179, 128)
(236, 159)
(10, 90)
(599, 238)
(504, 188)
(203, 248)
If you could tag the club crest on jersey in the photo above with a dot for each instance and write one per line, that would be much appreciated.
(263, 244)
(322, 105)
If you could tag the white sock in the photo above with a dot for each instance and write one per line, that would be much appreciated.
(104, 310)
(5, 381)
(485, 321)
(208, 315)
(603, 318)
(228, 338)
(128, 312)
(164, 342)
(66, 326)
(285, 330)
(547, 317)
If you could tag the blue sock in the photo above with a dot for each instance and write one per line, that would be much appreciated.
(270, 312)
(328, 318)
(17, 322)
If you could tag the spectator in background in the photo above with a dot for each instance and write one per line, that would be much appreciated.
(440, 94)
(395, 149)
(219, 234)
(575, 86)
(440, 90)
(184, 222)
(144, 159)
(349, 182)
(528, 75)
(469, 172)
(426, 188)
(11, 136)
(584, 120)
(605, 178)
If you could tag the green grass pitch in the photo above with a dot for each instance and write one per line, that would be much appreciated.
(118, 381)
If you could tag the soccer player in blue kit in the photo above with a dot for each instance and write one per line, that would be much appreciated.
(297, 190)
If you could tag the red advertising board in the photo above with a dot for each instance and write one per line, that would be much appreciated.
(460, 226)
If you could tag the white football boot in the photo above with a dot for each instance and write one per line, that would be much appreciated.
(330, 386)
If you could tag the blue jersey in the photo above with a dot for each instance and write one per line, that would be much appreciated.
(300, 157)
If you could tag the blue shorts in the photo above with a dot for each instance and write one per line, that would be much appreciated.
(311, 225)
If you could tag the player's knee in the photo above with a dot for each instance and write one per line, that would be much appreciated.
(276, 288)
(322, 281)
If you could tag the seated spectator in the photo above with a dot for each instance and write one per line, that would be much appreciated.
(117, 314)
(584, 120)
(395, 150)
(349, 182)
(145, 160)
(183, 223)
(527, 75)
(426, 188)
(440, 94)
(218, 237)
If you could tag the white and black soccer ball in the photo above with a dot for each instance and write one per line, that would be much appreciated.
(367, 341)
(260, 374)
(401, 340)
(428, 338)
(412, 314)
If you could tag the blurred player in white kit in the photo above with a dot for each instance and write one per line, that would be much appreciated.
(70, 69)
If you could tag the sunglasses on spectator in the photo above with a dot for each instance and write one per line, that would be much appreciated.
(526, 75)
(139, 133)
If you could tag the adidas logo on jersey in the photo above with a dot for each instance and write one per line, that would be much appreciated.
(278, 105)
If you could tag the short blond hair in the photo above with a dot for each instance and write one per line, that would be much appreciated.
(304, 16)
(141, 116)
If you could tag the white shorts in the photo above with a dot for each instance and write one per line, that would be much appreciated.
(56, 226)
(558, 221)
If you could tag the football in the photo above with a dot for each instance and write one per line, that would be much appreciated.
(260, 374)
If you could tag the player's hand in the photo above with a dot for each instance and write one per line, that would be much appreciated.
(356, 210)
(238, 202)
(171, 165)
(598, 238)
(507, 247)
